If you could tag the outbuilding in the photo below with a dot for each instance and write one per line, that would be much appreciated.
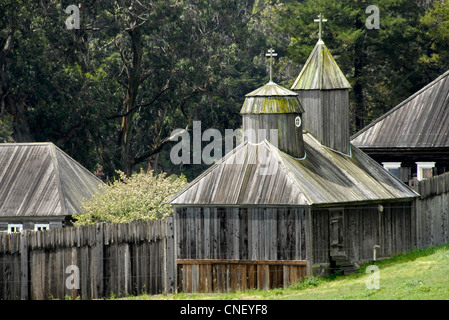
(298, 200)
(411, 141)
(41, 187)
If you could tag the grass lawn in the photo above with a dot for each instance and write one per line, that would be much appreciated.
(418, 275)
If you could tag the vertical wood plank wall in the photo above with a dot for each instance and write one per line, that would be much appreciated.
(432, 211)
(240, 248)
(364, 227)
(326, 116)
(112, 259)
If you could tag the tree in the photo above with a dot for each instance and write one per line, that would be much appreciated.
(111, 92)
(46, 88)
(382, 65)
(435, 34)
(170, 59)
(139, 197)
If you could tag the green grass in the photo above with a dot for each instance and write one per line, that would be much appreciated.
(418, 275)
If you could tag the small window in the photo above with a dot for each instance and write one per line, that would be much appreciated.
(41, 226)
(12, 228)
(392, 167)
(424, 170)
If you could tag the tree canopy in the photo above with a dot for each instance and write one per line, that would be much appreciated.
(111, 92)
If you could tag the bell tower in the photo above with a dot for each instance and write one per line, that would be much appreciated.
(324, 93)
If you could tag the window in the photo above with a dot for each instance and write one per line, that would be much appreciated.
(392, 167)
(41, 226)
(424, 170)
(12, 228)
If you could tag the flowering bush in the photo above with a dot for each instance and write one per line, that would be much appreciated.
(139, 197)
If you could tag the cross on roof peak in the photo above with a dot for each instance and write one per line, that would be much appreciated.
(271, 54)
(320, 20)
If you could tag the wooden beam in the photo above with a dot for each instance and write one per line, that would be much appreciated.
(246, 262)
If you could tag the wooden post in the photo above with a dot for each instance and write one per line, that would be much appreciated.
(169, 256)
(99, 238)
(309, 241)
(24, 288)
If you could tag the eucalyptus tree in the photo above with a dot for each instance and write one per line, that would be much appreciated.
(382, 62)
(110, 90)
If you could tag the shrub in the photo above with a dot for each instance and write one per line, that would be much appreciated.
(139, 197)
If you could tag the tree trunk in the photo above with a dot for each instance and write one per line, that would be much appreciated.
(127, 159)
(359, 65)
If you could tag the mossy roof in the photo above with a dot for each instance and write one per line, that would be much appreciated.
(321, 72)
(271, 98)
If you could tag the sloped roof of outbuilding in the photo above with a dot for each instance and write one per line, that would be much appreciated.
(322, 177)
(39, 179)
(321, 72)
(420, 121)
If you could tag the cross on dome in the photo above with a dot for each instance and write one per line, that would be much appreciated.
(271, 54)
(320, 20)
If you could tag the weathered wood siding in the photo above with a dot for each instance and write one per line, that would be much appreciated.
(211, 275)
(432, 211)
(241, 233)
(240, 243)
(10, 269)
(326, 117)
(112, 259)
(362, 228)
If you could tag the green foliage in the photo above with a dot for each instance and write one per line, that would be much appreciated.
(6, 125)
(435, 27)
(139, 197)
(384, 66)
(110, 93)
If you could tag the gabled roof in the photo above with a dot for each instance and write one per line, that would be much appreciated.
(270, 99)
(320, 72)
(322, 177)
(421, 121)
(39, 179)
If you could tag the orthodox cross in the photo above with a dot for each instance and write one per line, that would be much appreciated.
(320, 20)
(271, 54)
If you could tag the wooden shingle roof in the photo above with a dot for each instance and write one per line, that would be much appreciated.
(320, 72)
(421, 121)
(39, 179)
(322, 177)
(270, 99)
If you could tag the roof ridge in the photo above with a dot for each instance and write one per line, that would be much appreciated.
(76, 163)
(285, 168)
(206, 172)
(400, 105)
(58, 178)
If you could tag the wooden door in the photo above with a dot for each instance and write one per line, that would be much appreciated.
(336, 233)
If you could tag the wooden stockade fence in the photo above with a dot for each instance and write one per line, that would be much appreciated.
(200, 250)
(108, 259)
(432, 211)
